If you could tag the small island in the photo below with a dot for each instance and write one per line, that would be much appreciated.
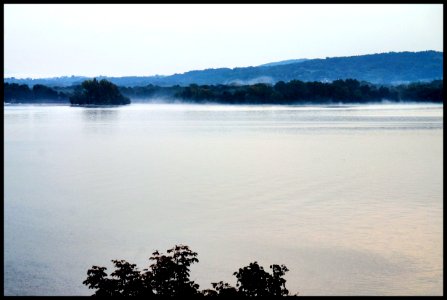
(94, 92)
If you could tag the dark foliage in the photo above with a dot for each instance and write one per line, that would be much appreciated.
(14, 93)
(93, 92)
(299, 92)
(432, 91)
(125, 280)
(169, 273)
(150, 91)
(221, 289)
(167, 276)
(253, 281)
(292, 92)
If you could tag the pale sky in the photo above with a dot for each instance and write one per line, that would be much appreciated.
(46, 40)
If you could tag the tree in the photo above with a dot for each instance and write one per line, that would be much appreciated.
(169, 273)
(221, 289)
(43, 92)
(252, 281)
(16, 92)
(92, 92)
(126, 280)
(167, 276)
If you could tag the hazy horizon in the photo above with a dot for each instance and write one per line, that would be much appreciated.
(54, 40)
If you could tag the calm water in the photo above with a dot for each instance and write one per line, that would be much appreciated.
(349, 198)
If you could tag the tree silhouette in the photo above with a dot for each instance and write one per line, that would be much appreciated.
(93, 92)
(167, 276)
(221, 289)
(126, 280)
(252, 280)
(169, 273)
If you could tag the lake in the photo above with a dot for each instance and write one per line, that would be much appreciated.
(349, 198)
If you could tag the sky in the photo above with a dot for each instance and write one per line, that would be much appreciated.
(49, 40)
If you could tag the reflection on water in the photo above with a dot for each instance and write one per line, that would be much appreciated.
(100, 115)
(349, 198)
(99, 120)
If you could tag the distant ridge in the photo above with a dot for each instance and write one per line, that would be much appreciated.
(284, 62)
(383, 68)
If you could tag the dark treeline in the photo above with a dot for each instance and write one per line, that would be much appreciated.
(296, 92)
(152, 91)
(169, 276)
(292, 92)
(14, 92)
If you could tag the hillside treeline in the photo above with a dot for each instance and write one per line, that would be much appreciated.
(390, 68)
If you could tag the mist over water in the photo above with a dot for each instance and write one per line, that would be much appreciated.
(349, 198)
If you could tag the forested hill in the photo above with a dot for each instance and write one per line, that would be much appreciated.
(387, 68)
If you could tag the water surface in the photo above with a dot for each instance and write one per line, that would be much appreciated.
(349, 198)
